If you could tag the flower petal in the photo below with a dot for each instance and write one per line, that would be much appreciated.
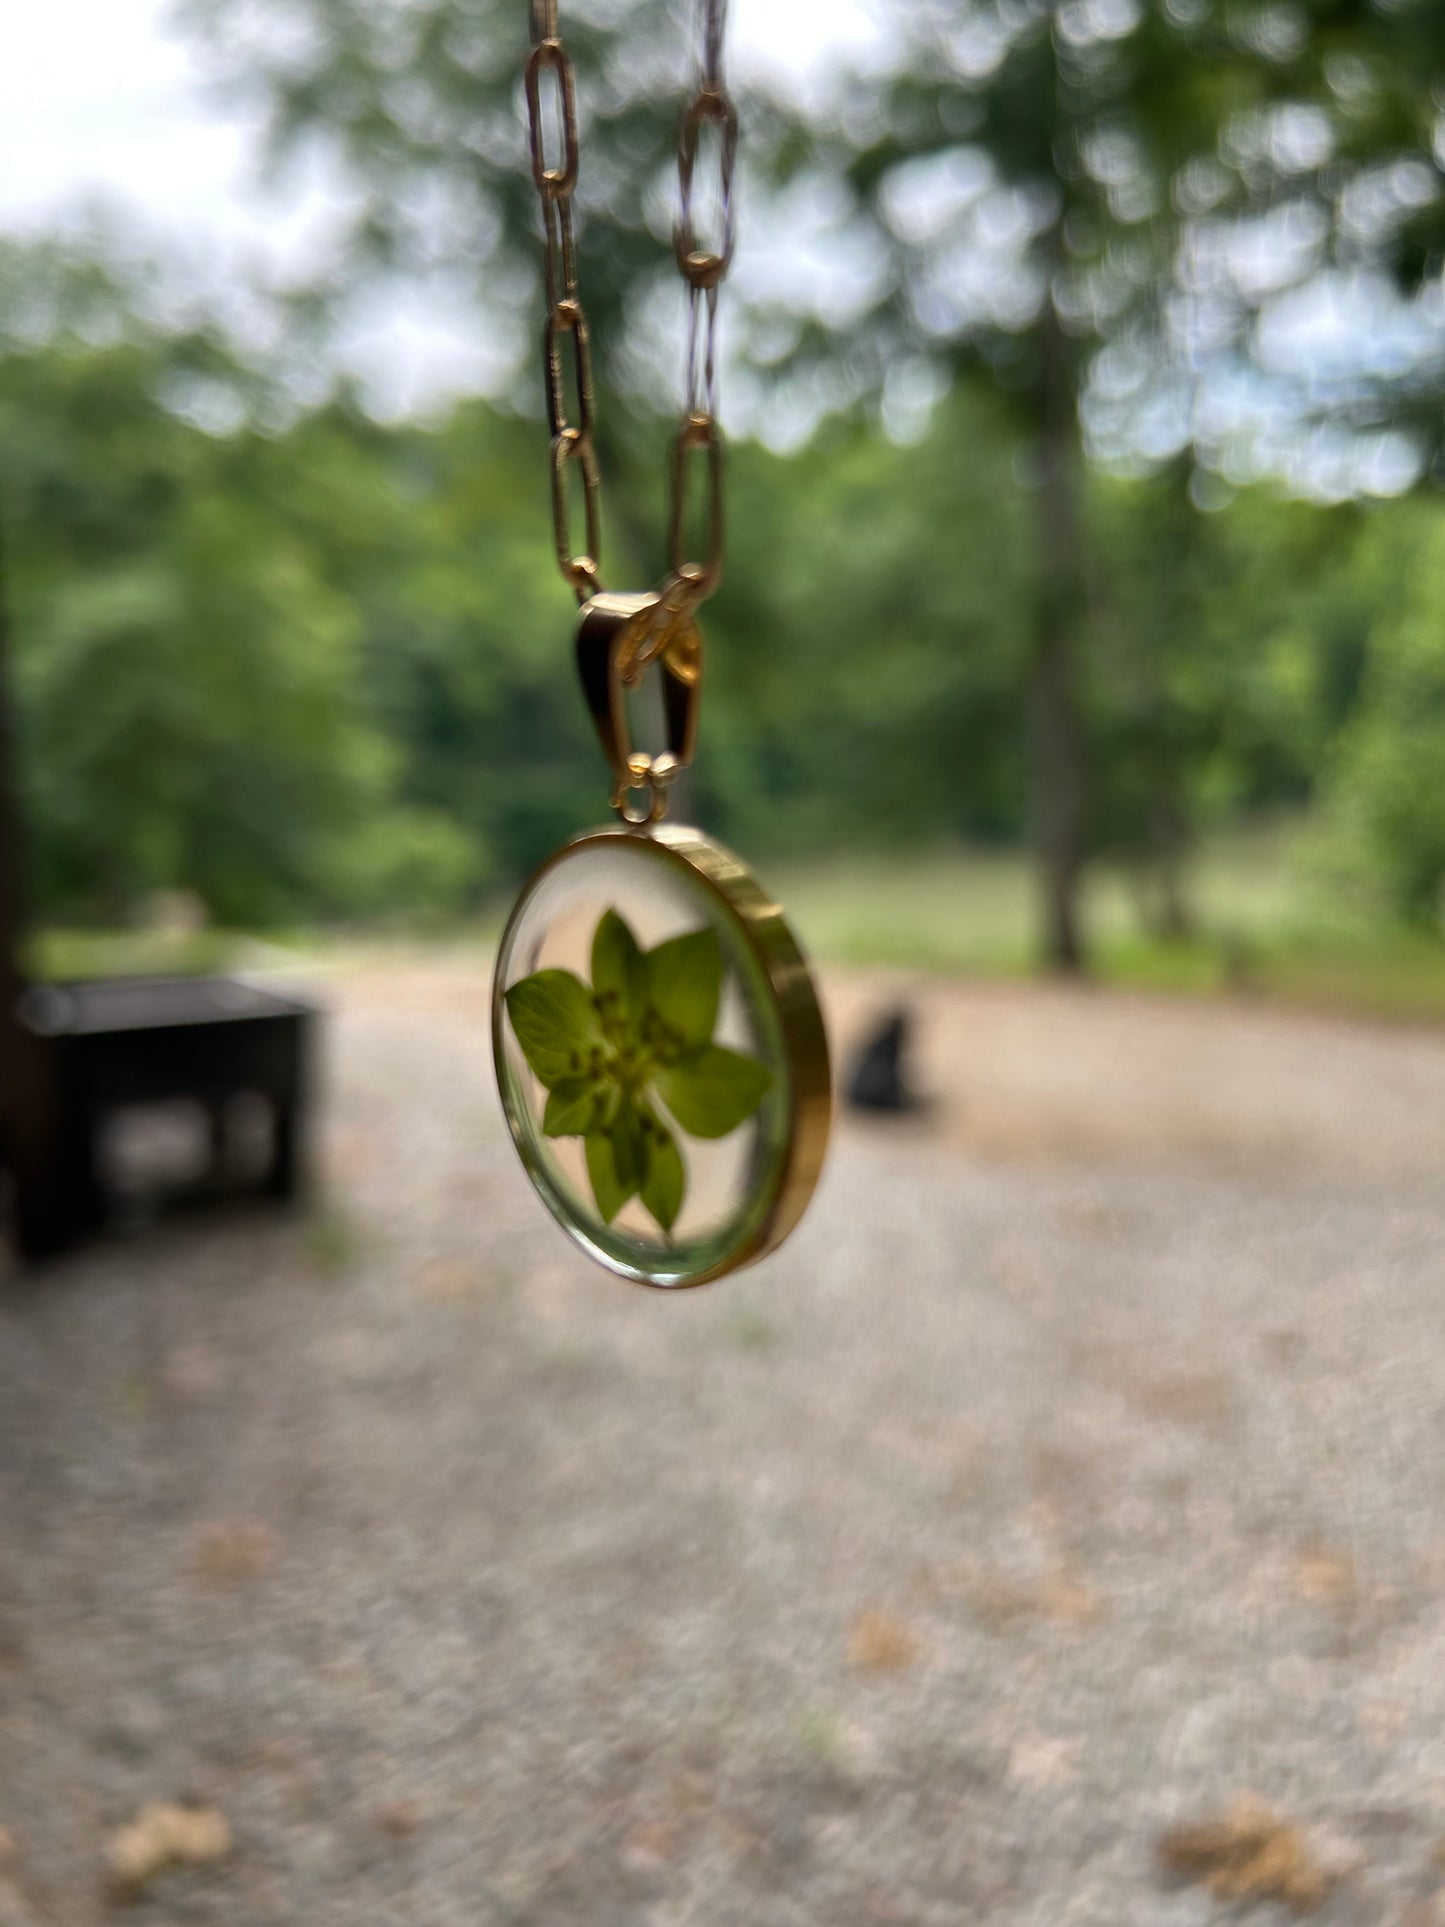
(710, 1090)
(617, 969)
(683, 983)
(665, 1184)
(555, 1022)
(607, 1187)
(629, 1147)
(571, 1107)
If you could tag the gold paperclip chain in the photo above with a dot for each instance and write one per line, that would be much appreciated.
(702, 262)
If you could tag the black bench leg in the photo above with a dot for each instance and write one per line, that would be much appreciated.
(80, 1170)
(218, 1137)
(287, 1176)
(43, 1225)
(59, 1197)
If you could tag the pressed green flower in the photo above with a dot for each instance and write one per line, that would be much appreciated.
(628, 1057)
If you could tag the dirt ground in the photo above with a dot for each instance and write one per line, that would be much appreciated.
(1077, 1468)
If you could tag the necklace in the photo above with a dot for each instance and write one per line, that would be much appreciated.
(660, 1052)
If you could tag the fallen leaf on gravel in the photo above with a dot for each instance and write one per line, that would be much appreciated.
(880, 1643)
(1283, 1348)
(1198, 1401)
(1000, 1602)
(996, 1601)
(233, 1552)
(648, 1846)
(1068, 1479)
(447, 1279)
(1250, 1854)
(399, 1818)
(1065, 1597)
(1324, 1576)
(164, 1836)
(1096, 1218)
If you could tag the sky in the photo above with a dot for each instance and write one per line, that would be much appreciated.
(98, 100)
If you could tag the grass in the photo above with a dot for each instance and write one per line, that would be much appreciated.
(1262, 930)
(1401, 981)
(57, 955)
(967, 911)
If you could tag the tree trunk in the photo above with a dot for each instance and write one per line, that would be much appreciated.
(1056, 732)
(1174, 922)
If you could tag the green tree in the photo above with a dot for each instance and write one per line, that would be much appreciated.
(187, 677)
(1228, 647)
(852, 697)
(1067, 120)
(1022, 176)
(1029, 184)
(421, 107)
(1383, 797)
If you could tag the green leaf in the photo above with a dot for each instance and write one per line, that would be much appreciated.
(608, 1188)
(571, 1106)
(617, 969)
(666, 1182)
(684, 980)
(711, 1090)
(629, 1147)
(555, 1022)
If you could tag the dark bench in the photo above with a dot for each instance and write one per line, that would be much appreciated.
(74, 1055)
(103, 1047)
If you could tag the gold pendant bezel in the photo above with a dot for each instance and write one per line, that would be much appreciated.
(762, 929)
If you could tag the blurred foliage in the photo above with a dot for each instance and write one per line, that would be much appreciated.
(307, 666)
(1383, 790)
(1020, 191)
(189, 649)
(321, 669)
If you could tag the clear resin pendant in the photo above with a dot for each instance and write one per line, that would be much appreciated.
(660, 1054)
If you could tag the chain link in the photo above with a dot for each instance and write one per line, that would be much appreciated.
(556, 182)
(702, 262)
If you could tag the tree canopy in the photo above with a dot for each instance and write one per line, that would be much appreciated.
(1017, 583)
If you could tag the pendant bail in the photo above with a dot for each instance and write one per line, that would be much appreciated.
(618, 636)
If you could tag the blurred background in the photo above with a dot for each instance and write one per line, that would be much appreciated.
(1083, 378)
(1054, 1531)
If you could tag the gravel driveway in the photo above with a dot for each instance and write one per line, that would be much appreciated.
(1079, 1466)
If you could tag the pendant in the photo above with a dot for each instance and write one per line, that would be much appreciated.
(660, 1052)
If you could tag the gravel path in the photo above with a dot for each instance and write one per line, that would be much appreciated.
(1079, 1465)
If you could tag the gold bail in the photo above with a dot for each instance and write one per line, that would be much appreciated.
(617, 637)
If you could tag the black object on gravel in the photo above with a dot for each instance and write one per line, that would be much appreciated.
(877, 1077)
